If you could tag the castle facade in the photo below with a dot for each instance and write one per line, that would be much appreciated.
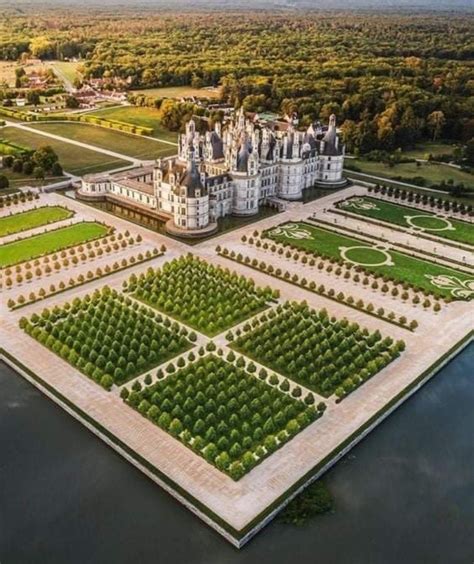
(231, 170)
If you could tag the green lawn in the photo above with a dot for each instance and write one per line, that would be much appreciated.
(123, 143)
(144, 117)
(462, 232)
(433, 173)
(29, 248)
(67, 69)
(73, 159)
(32, 218)
(434, 148)
(396, 265)
(178, 92)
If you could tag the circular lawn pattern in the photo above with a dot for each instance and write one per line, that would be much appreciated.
(366, 256)
(429, 223)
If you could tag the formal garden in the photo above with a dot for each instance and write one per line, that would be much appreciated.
(55, 240)
(329, 292)
(375, 258)
(223, 413)
(208, 298)
(319, 352)
(108, 337)
(421, 221)
(31, 219)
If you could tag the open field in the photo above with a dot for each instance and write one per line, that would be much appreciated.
(130, 145)
(75, 160)
(32, 218)
(434, 148)
(376, 258)
(67, 69)
(29, 248)
(178, 92)
(141, 116)
(433, 173)
(422, 221)
(7, 72)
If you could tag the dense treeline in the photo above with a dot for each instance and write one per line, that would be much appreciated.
(392, 79)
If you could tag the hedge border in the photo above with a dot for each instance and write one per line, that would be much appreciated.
(88, 280)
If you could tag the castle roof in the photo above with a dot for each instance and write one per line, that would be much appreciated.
(217, 146)
(192, 180)
(243, 157)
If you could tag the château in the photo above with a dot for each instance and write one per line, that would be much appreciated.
(232, 170)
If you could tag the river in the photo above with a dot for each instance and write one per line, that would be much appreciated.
(404, 495)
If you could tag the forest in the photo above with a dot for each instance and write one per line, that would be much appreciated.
(392, 79)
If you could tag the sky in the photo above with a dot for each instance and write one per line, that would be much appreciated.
(275, 4)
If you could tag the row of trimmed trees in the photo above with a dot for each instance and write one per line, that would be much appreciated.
(222, 412)
(204, 296)
(324, 354)
(107, 336)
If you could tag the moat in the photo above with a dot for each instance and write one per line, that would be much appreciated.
(406, 493)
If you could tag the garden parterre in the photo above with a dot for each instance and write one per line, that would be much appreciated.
(376, 258)
(107, 336)
(421, 220)
(230, 417)
(201, 295)
(319, 352)
(30, 219)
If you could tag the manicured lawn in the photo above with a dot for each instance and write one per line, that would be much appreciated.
(29, 248)
(429, 223)
(205, 297)
(433, 173)
(223, 413)
(396, 265)
(324, 355)
(178, 92)
(73, 159)
(108, 338)
(129, 145)
(32, 218)
(141, 116)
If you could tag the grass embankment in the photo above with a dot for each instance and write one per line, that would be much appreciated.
(104, 138)
(31, 219)
(29, 248)
(75, 160)
(433, 173)
(141, 116)
(404, 268)
(429, 223)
